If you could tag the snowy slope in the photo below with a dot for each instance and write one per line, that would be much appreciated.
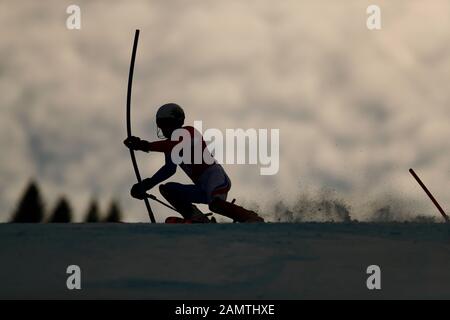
(263, 261)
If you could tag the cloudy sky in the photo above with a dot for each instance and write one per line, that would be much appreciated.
(355, 108)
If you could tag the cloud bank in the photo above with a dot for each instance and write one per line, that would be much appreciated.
(356, 109)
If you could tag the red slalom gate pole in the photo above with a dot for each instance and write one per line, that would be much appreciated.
(429, 195)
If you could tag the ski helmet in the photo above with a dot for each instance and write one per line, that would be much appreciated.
(170, 114)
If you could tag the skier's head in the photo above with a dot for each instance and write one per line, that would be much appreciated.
(169, 118)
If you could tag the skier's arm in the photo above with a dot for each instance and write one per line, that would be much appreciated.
(138, 144)
(164, 173)
(160, 146)
(139, 189)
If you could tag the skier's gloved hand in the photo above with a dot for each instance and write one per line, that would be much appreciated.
(139, 190)
(135, 143)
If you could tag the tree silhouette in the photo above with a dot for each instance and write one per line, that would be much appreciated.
(114, 213)
(62, 212)
(31, 205)
(93, 212)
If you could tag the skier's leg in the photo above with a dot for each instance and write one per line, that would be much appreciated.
(216, 187)
(215, 183)
(182, 196)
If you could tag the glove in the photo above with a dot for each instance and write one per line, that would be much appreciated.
(138, 191)
(134, 143)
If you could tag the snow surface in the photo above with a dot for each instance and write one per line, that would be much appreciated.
(229, 261)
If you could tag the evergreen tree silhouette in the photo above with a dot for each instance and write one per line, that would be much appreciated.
(93, 212)
(114, 213)
(31, 205)
(62, 212)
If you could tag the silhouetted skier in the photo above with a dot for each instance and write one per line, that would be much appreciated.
(210, 182)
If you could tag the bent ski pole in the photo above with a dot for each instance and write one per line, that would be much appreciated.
(128, 120)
